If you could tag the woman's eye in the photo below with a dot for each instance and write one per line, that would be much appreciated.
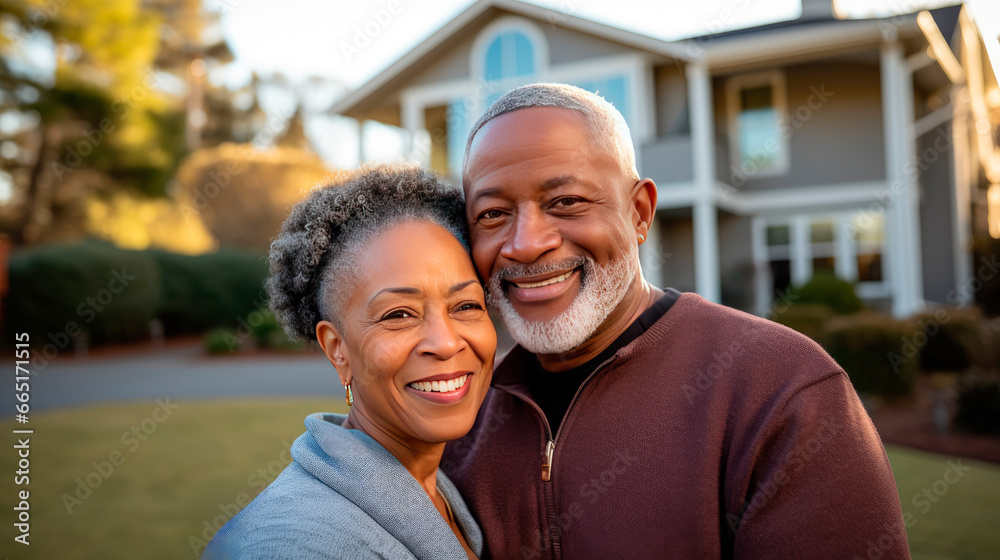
(397, 314)
(470, 306)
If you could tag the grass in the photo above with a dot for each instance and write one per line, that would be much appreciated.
(170, 491)
(164, 489)
(963, 521)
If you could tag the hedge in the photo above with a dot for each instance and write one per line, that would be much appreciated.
(876, 351)
(205, 291)
(58, 291)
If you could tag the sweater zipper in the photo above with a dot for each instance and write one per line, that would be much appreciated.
(550, 448)
(548, 462)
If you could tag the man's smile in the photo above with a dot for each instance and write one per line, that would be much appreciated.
(544, 282)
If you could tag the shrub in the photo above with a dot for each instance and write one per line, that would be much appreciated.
(806, 318)
(953, 338)
(60, 291)
(826, 289)
(269, 334)
(979, 409)
(243, 195)
(212, 290)
(868, 347)
(222, 340)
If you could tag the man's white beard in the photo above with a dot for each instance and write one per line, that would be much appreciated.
(602, 289)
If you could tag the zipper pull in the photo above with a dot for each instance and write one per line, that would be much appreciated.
(547, 465)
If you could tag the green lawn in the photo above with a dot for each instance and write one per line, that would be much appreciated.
(164, 490)
(964, 522)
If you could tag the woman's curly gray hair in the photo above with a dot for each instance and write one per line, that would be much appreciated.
(316, 250)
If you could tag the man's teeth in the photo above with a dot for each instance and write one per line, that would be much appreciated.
(440, 386)
(553, 280)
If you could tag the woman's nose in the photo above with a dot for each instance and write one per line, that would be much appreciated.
(441, 338)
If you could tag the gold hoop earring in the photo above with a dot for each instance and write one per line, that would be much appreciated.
(350, 396)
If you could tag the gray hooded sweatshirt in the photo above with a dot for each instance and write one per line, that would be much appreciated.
(344, 496)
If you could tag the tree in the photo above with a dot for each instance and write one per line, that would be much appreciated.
(243, 195)
(101, 121)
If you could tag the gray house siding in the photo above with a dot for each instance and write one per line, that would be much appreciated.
(677, 239)
(936, 217)
(668, 159)
(567, 46)
(453, 64)
(670, 89)
(736, 260)
(840, 141)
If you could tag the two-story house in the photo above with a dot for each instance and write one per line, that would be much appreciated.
(862, 147)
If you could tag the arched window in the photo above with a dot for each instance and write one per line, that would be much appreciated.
(509, 55)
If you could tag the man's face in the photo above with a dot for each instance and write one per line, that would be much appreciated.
(553, 225)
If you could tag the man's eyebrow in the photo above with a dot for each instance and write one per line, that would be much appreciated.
(559, 181)
(549, 184)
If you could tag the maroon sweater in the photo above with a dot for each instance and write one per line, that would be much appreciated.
(714, 434)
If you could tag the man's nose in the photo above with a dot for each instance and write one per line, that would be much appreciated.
(532, 236)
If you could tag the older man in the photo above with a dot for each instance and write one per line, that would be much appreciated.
(631, 422)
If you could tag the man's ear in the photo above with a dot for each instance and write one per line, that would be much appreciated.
(643, 206)
(332, 343)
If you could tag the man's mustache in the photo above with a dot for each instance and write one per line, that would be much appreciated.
(536, 269)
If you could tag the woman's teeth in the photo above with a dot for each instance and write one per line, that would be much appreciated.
(553, 280)
(440, 386)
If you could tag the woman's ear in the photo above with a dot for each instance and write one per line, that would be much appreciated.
(332, 343)
(643, 206)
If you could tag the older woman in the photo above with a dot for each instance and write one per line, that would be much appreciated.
(377, 272)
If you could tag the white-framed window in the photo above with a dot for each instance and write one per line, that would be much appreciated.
(509, 52)
(791, 249)
(756, 105)
(613, 88)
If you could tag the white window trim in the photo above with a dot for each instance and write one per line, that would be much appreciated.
(801, 254)
(776, 79)
(539, 45)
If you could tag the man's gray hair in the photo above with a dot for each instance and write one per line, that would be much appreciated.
(607, 126)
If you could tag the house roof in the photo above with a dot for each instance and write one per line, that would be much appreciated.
(730, 50)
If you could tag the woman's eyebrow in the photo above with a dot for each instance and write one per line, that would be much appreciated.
(406, 290)
(462, 286)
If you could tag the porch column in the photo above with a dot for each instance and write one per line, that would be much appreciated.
(704, 213)
(902, 219)
(651, 256)
(412, 119)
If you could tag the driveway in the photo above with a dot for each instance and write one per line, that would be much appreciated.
(178, 372)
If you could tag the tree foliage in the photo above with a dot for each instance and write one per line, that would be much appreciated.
(106, 116)
(243, 195)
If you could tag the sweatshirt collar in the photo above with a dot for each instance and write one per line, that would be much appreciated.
(360, 469)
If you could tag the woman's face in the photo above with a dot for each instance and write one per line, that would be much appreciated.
(417, 344)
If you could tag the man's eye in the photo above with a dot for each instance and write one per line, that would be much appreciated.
(491, 215)
(565, 202)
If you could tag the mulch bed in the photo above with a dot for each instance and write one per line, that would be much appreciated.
(911, 424)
